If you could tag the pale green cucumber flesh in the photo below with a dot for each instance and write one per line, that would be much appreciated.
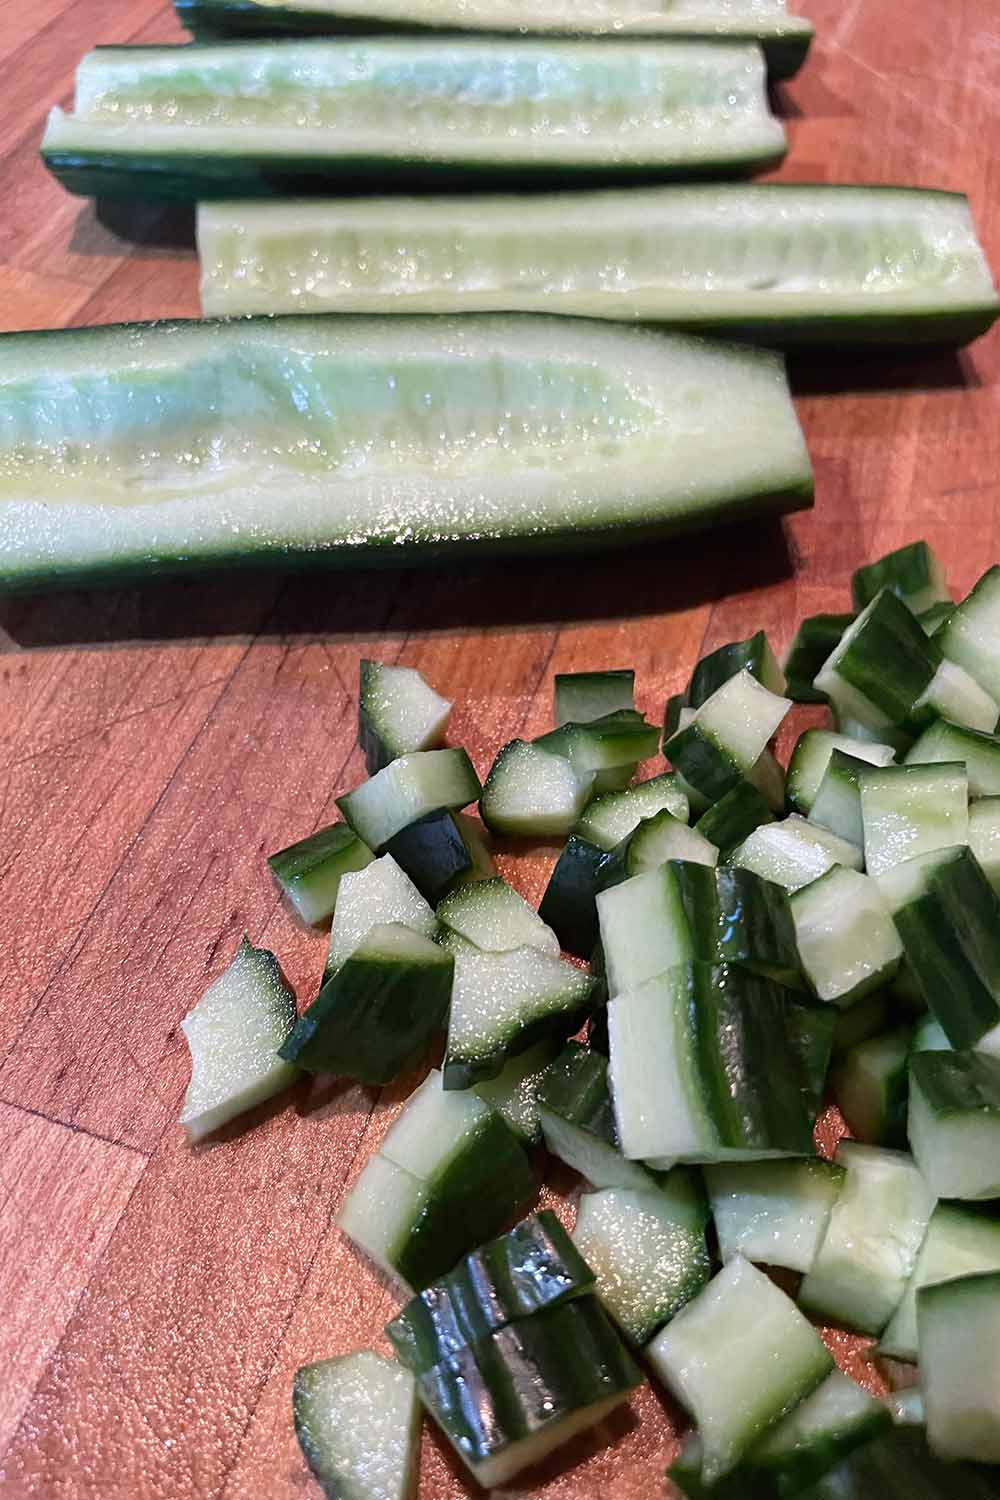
(310, 871)
(357, 1419)
(773, 1212)
(379, 893)
(959, 1336)
(847, 942)
(398, 712)
(165, 445)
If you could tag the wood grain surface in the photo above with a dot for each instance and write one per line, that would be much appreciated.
(155, 744)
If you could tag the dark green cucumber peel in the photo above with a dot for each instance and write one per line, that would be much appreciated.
(810, 1030)
(814, 640)
(733, 818)
(309, 872)
(753, 654)
(584, 696)
(433, 853)
(578, 1121)
(534, 1266)
(871, 1089)
(378, 1012)
(703, 764)
(890, 634)
(568, 905)
(909, 572)
(615, 739)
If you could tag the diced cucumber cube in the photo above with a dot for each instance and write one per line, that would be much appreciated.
(871, 1087)
(794, 852)
(357, 1419)
(911, 810)
(959, 1337)
(847, 942)
(773, 1212)
(310, 871)
(409, 788)
(398, 713)
(496, 918)
(954, 1122)
(513, 1093)
(378, 894)
(532, 792)
(581, 696)
(979, 753)
(959, 1241)
(882, 665)
(753, 655)
(811, 757)
(912, 573)
(972, 635)
(574, 1106)
(611, 818)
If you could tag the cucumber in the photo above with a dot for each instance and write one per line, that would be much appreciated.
(731, 820)
(582, 696)
(959, 1240)
(978, 752)
(954, 695)
(233, 1035)
(657, 841)
(433, 853)
(510, 1399)
(609, 819)
(811, 759)
(785, 38)
(837, 804)
(728, 735)
(407, 789)
(357, 1419)
(954, 1122)
(934, 618)
(906, 1407)
(912, 573)
(816, 637)
(533, 792)
(778, 263)
(817, 1435)
(309, 871)
(676, 707)
(574, 1106)
(970, 637)
(899, 1466)
(929, 1036)
(703, 1069)
(377, 1014)
(911, 810)
(734, 1401)
(848, 945)
(794, 852)
(398, 712)
(866, 1018)
(493, 916)
(608, 744)
(753, 655)
(872, 1238)
(247, 119)
(682, 911)
(774, 1212)
(871, 1087)
(534, 1266)
(448, 1175)
(881, 667)
(984, 837)
(569, 905)
(811, 1030)
(503, 1002)
(556, 431)
(959, 1331)
(481, 862)
(648, 1252)
(513, 1093)
(378, 894)
(948, 917)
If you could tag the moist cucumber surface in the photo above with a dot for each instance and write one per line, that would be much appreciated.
(799, 263)
(162, 446)
(246, 119)
(357, 1420)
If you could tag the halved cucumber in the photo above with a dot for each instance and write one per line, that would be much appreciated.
(256, 119)
(648, 1252)
(735, 1400)
(165, 445)
(357, 1419)
(407, 789)
(398, 712)
(534, 1266)
(794, 852)
(502, 1002)
(783, 263)
(872, 1238)
(310, 871)
(775, 1212)
(784, 37)
(233, 1035)
(367, 898)
(959, 1240)
(959, 1328)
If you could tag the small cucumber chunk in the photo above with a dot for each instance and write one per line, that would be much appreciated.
(648, 1253)
(653, 843)
(837, 804)
(848, 945)
(582, 696)
(773, 1212)
(871, 1088)
(727, 737)
(811, 758)
(378, 894)
(534, 1266)
(574, 1106)
(569, 905)
(794, 852)
(611, 744)
(398, 713)
(377, 1014)
(874, 1233)
(979, 753)
(532, 792)
(753, 655)
(357, 1419)
(310, 871)
(971, 638)
(408, 789)
(958, 1242)
(611, 818)
(984, 837)
(880, 668)
(514, 1092)
(433, 853)
(912, 573)
(735, 1400)
(911, 810)
(815, 639)
(493, 916)
(954, 1122)
(233, 1034)
(731, 820)
(507, 1401)
(959, 1337)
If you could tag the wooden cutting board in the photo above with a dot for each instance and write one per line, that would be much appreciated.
(156, 744)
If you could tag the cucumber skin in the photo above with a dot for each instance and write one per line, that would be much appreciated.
(210, 20)
(432, 853)
(569, 904)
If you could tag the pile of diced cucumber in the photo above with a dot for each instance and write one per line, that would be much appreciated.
(759, 942)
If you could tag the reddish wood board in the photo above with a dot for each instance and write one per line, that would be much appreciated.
(156, 744)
